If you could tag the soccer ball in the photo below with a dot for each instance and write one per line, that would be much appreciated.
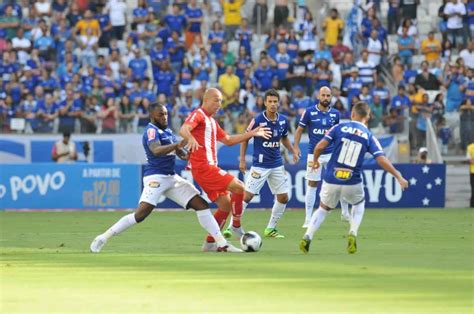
(251, 241)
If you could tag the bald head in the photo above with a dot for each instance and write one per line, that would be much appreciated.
(324, 96)
(212, 100)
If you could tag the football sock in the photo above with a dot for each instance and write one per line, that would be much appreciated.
(345, 208)
(120, 226)
(277, 211)
(237, 208)
(209, 223)
(220, 216)
(244, 207)
(316, 220)
(309, 200)
(357, 215)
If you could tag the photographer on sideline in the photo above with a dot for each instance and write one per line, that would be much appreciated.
(64, 150)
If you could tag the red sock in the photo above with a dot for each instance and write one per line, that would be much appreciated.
(221, 217)
(237, 207)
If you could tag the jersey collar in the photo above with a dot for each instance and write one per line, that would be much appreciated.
(359, 123)
(277, 117)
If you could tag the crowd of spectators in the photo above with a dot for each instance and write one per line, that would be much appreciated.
(95, 66)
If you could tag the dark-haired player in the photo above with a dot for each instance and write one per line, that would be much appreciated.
(342, 178)
(161, 148)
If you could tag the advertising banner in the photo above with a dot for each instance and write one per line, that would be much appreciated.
(69, 186)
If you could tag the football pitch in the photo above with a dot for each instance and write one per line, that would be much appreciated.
(409, 261)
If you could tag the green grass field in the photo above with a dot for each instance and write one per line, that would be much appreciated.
(417, 261)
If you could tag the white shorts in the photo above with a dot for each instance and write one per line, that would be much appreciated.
(276, 178)
(331, 194)
(173, 187)
(316, 175)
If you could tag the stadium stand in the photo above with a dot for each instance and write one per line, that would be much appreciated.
(94, 66)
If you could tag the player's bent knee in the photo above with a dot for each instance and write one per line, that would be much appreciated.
(282, 198)
(144, 209)
(248, 197)
(197, 203)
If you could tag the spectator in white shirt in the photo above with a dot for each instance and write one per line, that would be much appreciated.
(22, 46)
(374, 47)
(118, 17)
(468, 55)
(455, 11)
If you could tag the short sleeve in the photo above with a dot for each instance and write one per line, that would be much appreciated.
(304, 119)
(220, 133)
(194, 119)
(375, 148)
(152, 136)
(285, 129)
(252, 125)
(331, 134)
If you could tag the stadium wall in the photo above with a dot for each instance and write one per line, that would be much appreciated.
(107, 186)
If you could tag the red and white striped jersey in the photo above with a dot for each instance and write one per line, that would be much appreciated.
(207, 132)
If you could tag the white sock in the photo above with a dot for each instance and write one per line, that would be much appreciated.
(208, 222)
(277, 211)
(309, 200)
(345, 208)
(244, 206)
(316, 220)
(120, 226)
(357, 215)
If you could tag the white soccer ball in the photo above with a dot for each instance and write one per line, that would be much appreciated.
(251, 242)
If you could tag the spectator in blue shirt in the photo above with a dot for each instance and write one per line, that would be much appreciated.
(454, 83)
(323, 52)
(140, 15)
(406, 46)
(202, 66)
(138, 65)
(158, 54)
(244, 36)
(264, 75)
(175, 48)
(164, 80)
(400, 101)
(194, 18)
(216, 38)
(175, 21)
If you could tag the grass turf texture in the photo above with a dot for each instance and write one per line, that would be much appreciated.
(408, 261)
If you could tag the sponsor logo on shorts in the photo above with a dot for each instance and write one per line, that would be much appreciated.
(342, 173)
(154, 184)
(256, 175)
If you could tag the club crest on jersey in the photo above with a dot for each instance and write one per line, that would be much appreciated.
(151, 133)
(255, 175)
(342, 173)
(154, 184)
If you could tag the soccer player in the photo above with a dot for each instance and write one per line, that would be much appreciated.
(319, 119)
(202, 132)
(161, 148)
(267, 165)
(351, 140)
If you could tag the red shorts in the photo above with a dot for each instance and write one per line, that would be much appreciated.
(213, 180)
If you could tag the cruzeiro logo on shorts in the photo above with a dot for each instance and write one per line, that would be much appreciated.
(154, 184)
(342, 173)
(255, 175)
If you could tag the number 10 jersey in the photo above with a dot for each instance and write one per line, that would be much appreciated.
(351, 141)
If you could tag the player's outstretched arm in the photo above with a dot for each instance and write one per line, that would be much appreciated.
(230, 140)
(243, 151)
(387, 166)
(185, 133)
(160, 150)
(287, 143)
(318, 150)
(296, 145)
